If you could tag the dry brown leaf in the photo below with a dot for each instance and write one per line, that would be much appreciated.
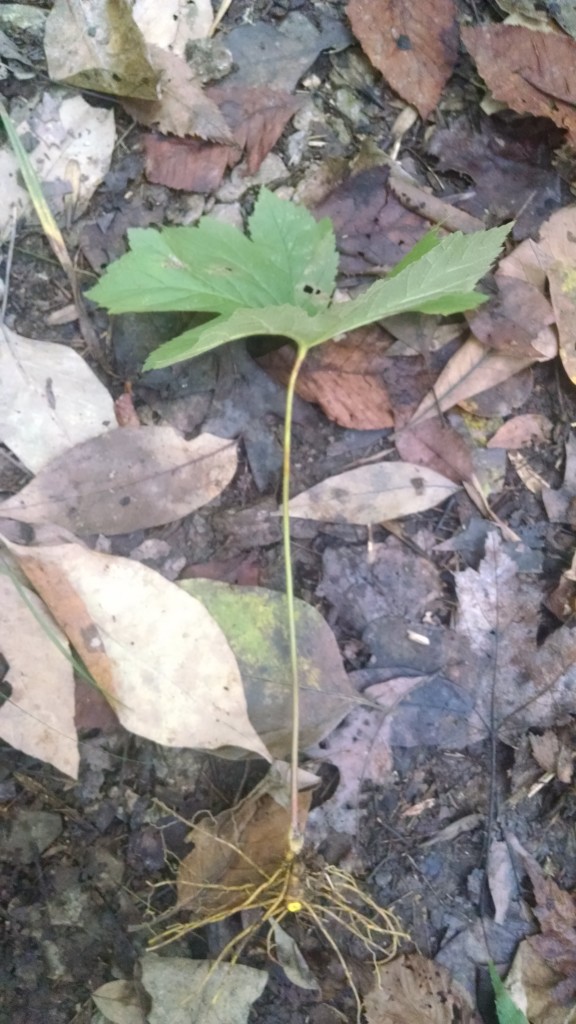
(514, 319)
(415, 48)
(437, 445)
(39, 717)
(344, 378)
(238, 850)
(552, 754)
(127, 479)
(538, 81)
(183, 108)
(373, 493)
(522, 431)
(414, 990)
(154, 651)
(501, 876)
(472, 369)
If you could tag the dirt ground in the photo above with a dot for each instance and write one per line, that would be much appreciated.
(83, 862)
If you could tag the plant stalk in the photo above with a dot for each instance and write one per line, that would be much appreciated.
(296, 839)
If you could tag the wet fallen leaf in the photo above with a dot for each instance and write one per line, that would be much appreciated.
(238, 849)
(511, 167)
(96, 45)
(50, 399)
(182, 107)
(127, 479)
(39, 717)
(373, 493)
(257, 117)
(155, 652)
(415, 989)
(372, 227)
(538, 81)
(414, 48)
(254, 622)
(187, 991)
(522, 431)
(344, 378)
(276, 55)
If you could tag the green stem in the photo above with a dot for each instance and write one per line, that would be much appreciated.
(295, 838)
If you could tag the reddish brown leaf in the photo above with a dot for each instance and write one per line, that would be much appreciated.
(257, 117)
(242, 570)
(522, 431)
(438, 446)
(539, 80)
(188, 164)
(414, 46)
(344, 378)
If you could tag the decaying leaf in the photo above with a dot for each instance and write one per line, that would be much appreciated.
(50, 399)
(415, 989)
(415, 49)
(155, 652)
(538, 81)
(39, 717)
(127, 479)
(437, 445)
(254, 622)
(97, 45)
(373, 493)
(187, 991)
(344, 378)
(239, 850)
(501, 878)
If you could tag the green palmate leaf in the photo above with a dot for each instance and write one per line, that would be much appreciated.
(441, 281)
(303, 249)
(428, 242)
(506, 1009)
(214, 268)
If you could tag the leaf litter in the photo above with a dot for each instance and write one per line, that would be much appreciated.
(503, 327)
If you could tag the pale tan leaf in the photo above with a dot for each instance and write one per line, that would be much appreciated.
(182, 107)
(374, 493)
(472, 369)
(128, 479)
(154, 651)
(39, 717)
(562, 282)
(50, 399)
(121, 1002)
(501, 878)
(173, 23)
